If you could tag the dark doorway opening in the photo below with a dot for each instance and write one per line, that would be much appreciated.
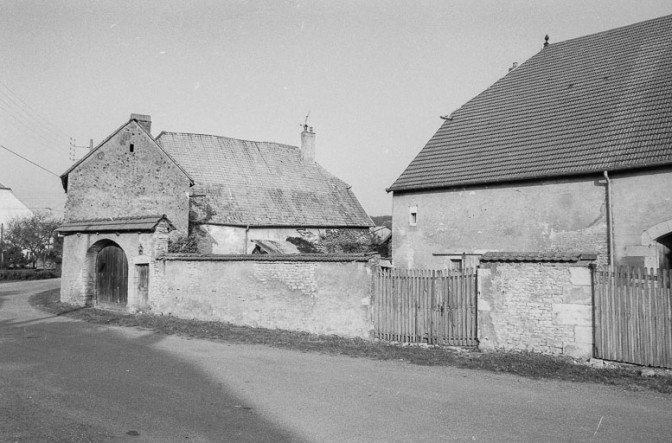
(665, 251)
(142, 275)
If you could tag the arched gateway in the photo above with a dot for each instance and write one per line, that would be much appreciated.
(111, 275)
(660, 237)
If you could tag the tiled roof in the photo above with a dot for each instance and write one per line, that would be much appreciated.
(276, 247)
(262, 184)
(380, 234)
(537, 256)
(114, 224)
(600, 102)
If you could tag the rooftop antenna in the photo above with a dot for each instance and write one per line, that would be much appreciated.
(305, 122)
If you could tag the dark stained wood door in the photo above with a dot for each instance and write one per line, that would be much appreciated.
(142, 271)
(112, 275)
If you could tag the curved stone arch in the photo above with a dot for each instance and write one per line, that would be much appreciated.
(89, 269)
(652, 234)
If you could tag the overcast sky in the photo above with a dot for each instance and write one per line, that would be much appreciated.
(374, 75)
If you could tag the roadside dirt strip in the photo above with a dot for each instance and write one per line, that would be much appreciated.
(122, 384)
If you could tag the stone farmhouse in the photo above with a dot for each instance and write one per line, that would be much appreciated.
(134, 193)
(569, 152)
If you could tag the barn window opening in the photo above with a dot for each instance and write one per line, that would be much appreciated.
(132, 147)
(413, 216)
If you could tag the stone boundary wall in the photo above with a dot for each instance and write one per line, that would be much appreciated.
(320, 295)
(536, 306)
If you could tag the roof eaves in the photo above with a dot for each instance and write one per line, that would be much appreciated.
(500, 180)
(293, 226)
(141, 223)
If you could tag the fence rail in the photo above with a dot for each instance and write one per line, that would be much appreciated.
(426, 306)
(633, 316)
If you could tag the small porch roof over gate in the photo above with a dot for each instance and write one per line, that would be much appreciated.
(126, 224)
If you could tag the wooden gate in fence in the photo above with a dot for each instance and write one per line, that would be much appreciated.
(425, 306)
(633, 316)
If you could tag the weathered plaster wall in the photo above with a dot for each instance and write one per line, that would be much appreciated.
(78, 271)
(558, 215)
(115, 182)
(231, 239)
(316, 297)
(641, 202)
(539, 307)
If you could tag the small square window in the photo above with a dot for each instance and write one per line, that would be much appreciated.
(413, 216)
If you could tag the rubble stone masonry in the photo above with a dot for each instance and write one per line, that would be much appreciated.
(539, 307)
(128, 176)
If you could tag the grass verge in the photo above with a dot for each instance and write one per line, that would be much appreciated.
(524, 364)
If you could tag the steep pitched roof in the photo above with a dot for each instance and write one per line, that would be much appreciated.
(600, 102)
(263, 184)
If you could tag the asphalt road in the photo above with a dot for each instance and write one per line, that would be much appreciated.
(63, 380)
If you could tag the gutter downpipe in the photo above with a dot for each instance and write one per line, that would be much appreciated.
(247, 230)
(610, 222)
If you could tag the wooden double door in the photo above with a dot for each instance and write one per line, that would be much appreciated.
(112, 275)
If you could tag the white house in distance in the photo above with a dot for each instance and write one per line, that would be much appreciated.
(10, 207)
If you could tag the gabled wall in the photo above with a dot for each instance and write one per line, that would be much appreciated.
(117, 182)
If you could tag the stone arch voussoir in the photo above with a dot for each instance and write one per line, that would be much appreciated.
(650, 236)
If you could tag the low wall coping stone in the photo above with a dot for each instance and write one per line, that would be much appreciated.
(346, 258)
(533, 257)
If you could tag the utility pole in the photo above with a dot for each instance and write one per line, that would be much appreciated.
(2, 245)
(73, 147)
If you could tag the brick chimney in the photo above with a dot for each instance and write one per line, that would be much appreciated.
(143, 120)
(308, 144)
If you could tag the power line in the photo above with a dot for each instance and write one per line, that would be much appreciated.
(44, 138)
(18, 112)
(30, 161)
(32, 110)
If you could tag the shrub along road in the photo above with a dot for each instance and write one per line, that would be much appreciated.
(63, 380)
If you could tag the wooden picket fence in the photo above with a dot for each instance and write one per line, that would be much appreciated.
(425, 306)
(633, 316)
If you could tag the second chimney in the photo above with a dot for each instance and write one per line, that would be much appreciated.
(308, 144)
(143, 120)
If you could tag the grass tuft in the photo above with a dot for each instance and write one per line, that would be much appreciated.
(523, 364)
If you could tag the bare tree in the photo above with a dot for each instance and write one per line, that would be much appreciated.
(34, 234)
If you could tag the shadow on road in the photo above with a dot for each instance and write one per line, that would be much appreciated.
(57, 376)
